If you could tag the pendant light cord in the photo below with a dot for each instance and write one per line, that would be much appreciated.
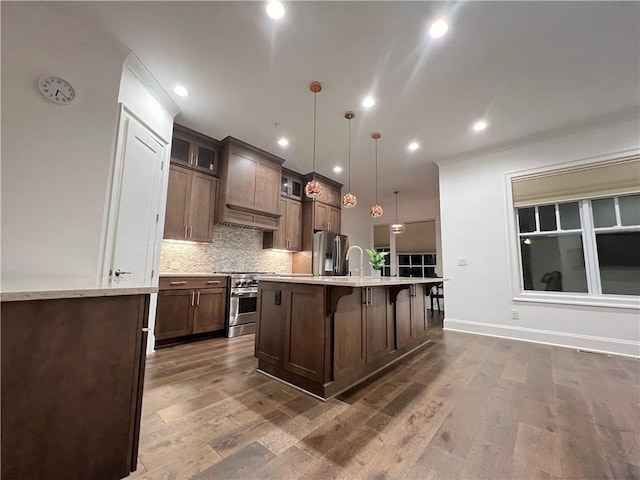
(315, 102)
(349, 182)
(376, 171)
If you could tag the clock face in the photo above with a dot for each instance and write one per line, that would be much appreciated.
(57, 90)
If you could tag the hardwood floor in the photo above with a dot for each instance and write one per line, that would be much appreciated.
(466, 406)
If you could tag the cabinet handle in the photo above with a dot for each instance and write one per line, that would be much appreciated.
(195, 159)
(190, 230)
(210, 282)
(185, 231)
(193, 297)
(198, 299)
(178, 283)
(370, 296)
(364, 294)
(190, 158)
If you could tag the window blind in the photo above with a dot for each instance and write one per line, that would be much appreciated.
(618, 177)
(381, 236)
(418, 237)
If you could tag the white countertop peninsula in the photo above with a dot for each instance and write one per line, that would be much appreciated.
(343, 281)
(16, 289)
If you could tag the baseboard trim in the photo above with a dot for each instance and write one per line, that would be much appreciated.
(611, 346)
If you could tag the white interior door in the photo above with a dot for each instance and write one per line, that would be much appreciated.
(135, 204)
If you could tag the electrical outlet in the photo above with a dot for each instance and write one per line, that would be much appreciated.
(515, 315)
(463, 261)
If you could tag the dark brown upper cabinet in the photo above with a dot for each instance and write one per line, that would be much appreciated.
(291, 185)
(191, 200)
(194, 150)
(250, 183)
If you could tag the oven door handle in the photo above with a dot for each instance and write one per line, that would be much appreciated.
(244, 294)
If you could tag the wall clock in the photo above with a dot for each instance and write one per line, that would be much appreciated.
(57, 90)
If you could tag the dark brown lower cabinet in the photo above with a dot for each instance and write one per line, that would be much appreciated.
(186, 307)
(291, 334)
(411, 321)
(325, 339)
(270, 332)
(72, 376)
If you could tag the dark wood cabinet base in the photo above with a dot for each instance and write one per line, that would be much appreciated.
(72, 377)
(326, 339)
(326, 391)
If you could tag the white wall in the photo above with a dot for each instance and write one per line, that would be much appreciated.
(474, 222)
(358, 224)
(55, 159)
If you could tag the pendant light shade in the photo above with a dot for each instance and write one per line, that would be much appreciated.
(376, 210)
(349, 200)
(313, 189)
(398, 227)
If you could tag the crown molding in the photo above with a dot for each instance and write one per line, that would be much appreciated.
(142, 73)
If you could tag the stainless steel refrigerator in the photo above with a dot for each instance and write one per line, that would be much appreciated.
(329, 254)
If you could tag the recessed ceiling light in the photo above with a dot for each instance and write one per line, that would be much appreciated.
(337, 169)
(413, 146)
(438, 28)
(480, 125)
(283, 142)
(180, 91)
(275, 9)
(368, 102)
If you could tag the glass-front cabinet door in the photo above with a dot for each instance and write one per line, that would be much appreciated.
(291, 187)
(194, 150)
(206, 159)
(181, 151)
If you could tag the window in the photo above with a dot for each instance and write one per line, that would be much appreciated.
(417, 265)
(584, 246)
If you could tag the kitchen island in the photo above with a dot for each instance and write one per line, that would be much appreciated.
(73, 356)
(326, 334)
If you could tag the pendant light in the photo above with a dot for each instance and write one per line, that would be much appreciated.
(313, 189)
(398, 227)
(376, 210)
(349, 200)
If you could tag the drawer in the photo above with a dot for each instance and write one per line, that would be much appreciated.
(173, 283)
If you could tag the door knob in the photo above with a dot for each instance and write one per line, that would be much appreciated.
(119, 272)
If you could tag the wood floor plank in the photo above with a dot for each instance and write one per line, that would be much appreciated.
(466, 407)
(240, 464)
(178, 410)
(583, 455)
(294, 429)
(291, 463)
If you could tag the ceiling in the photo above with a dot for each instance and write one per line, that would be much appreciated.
(526, 67)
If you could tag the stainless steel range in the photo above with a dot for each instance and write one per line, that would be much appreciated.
(243, 302)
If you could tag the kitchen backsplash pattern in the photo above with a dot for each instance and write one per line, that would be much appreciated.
(232, 249)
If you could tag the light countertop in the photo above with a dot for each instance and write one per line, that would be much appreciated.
(352, 281)
(198, 274)
(55, 287)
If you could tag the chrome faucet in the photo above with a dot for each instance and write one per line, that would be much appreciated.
(361, 255)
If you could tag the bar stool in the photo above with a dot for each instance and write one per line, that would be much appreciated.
(436, 293)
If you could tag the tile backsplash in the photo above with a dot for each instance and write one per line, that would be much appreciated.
(232, 249)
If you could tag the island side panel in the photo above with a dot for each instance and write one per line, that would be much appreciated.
(304, 331)
(403, 324)
(349, 334)
(378, 329)
(270, 329)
